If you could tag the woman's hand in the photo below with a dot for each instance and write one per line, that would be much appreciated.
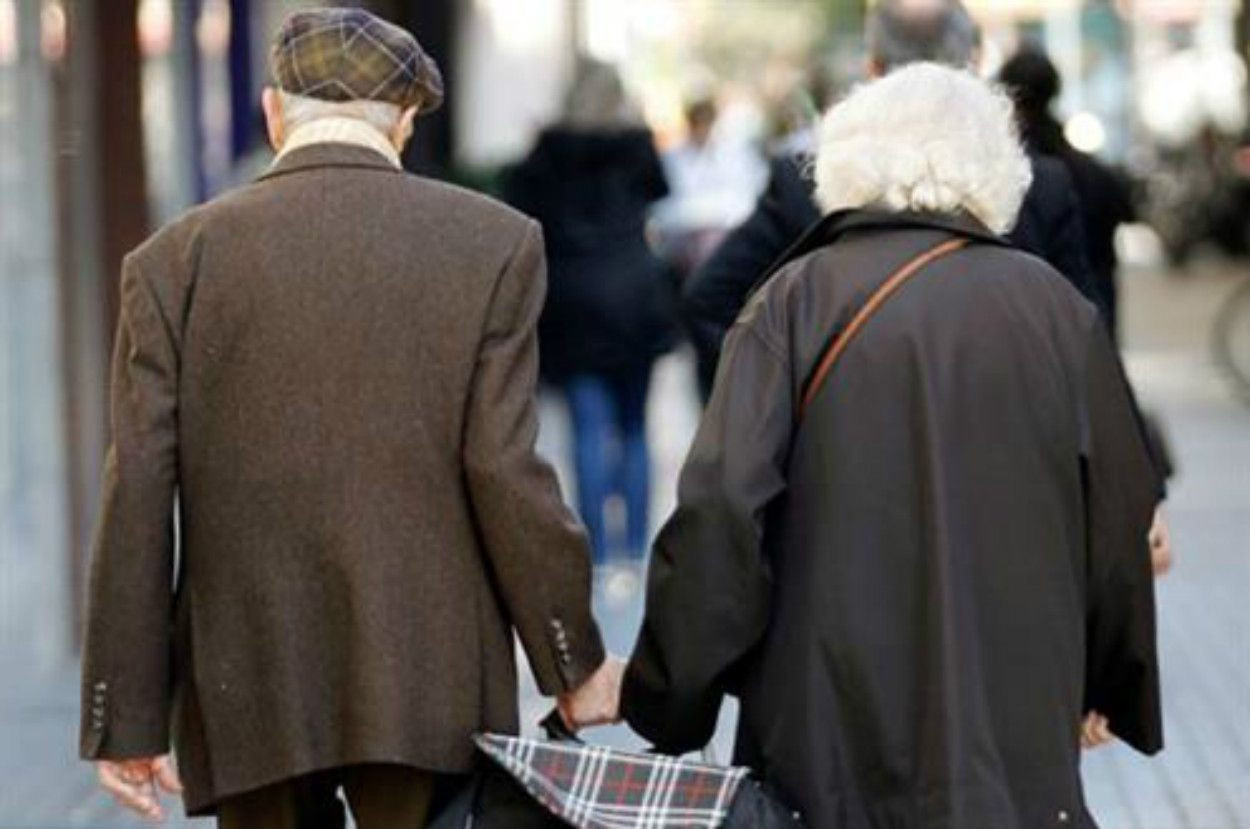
(1095, 731)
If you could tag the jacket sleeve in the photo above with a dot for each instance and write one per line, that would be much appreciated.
(716, 293)
(538, 551)
(709, 587)
(126, 683)
(1122, 490)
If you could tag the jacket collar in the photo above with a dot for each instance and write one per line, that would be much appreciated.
(833, 227)
(314, 156)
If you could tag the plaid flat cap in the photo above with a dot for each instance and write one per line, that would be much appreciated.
(349, 55)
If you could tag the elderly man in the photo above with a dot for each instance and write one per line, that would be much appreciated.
(329, 377)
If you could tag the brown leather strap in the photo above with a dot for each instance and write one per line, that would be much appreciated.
(874, 303)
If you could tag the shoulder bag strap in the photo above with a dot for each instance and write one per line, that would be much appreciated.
(866, 312)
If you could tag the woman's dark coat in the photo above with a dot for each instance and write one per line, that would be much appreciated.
(609, 305)
(919, 589)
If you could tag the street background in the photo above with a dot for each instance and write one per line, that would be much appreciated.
(116, 116)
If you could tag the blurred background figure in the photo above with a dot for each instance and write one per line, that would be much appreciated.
(591, 180)
(1103, 194)
(715, 179)
(899, 33)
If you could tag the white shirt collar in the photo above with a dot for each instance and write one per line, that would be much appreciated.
(339, 131)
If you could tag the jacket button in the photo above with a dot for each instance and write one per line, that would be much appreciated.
(1063, 816)
(101, 686)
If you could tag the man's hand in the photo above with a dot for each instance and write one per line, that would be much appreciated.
(1160, 543)
(1095, 731)
(598, 701)
(135, 784)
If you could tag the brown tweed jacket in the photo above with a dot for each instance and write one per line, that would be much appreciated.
(324, 388)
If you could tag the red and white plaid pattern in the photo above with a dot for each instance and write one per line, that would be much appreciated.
(598, 788)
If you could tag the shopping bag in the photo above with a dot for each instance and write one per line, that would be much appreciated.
(544, 784)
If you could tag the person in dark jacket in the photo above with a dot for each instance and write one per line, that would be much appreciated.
(922, 566)
(1105, 204)
(1103, 194)
(899, 32)
(590, 182)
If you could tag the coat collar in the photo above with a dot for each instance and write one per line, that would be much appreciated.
(313, 156)
(833, 227)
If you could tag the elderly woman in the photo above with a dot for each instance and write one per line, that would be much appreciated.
(911, 534)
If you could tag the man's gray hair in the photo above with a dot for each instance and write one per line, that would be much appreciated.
(908, 31)
(298, 110)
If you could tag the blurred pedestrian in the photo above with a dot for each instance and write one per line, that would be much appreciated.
(1103, 194)
(915, 552)
(590, 181)
(715, 179)
(1105, 203)
(899, 32)
(330, 375)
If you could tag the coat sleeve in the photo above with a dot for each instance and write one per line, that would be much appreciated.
(709, 588)
(126, 682)
(1122, 490)
(538, 551)
(716, 293)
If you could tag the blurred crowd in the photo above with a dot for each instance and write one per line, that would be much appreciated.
(650, 248)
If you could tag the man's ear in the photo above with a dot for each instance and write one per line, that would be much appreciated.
(402, 131)
(271, 103)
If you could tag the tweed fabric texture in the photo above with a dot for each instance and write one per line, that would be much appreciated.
(350, 54)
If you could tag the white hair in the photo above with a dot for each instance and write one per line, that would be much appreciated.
(925, 138)
(298, 110)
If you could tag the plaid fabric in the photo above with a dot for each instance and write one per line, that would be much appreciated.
(592, 787)
(348, 55)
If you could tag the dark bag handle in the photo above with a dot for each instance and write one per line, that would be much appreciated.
(554, 727)
(879, 297)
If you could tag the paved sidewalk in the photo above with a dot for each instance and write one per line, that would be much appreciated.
(1201, 781)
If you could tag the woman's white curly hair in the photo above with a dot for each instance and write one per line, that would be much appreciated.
(924, 138)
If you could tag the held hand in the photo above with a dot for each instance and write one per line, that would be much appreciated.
(135, 784)
(1160, 544)
(598, 700)
(1095, 731)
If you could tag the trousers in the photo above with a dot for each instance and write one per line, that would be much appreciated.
(379, 796)
(610, 455)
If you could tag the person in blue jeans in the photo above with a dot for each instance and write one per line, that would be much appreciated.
(610, 309)
(610, 454)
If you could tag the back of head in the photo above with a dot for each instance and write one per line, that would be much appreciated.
(1031, 79)
(926, 138)
(909, 31)
(596, 99)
